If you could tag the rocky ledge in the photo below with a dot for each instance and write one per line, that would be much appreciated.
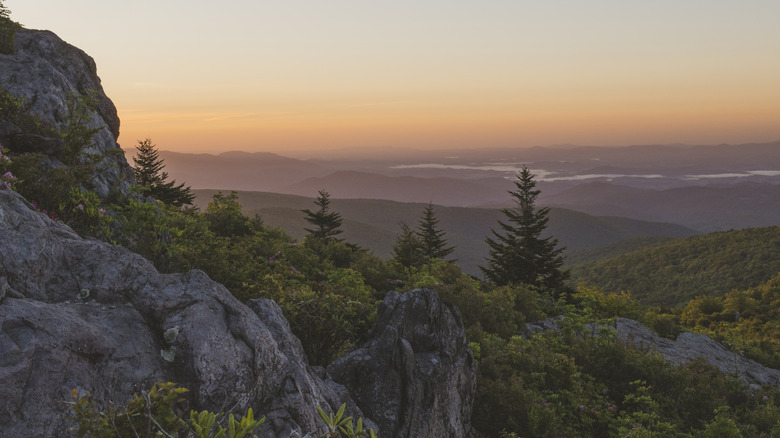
(79, 313)
(685, 348)
(47, 72)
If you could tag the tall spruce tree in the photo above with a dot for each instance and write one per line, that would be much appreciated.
(432, 241)
(325, 223)
(520, 254)
(148, 169)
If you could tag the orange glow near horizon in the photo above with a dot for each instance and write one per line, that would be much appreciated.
(295, 75)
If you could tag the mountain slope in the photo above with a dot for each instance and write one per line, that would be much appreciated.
(673, 273)
(374, 223)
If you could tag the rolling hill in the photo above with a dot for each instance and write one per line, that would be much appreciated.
(674, 272)
(374, 224)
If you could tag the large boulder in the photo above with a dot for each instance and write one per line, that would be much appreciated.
(46, 72)
(78, 313)
(417, 376)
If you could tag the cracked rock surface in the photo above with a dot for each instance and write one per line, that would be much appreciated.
(46, 71)
(417, 376)
(113, 341)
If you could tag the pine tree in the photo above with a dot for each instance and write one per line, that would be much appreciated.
(407, 249)
(325, 223)
(433, 243)
(4, 11)
(148, 169)
(520, 254)
(8, 29)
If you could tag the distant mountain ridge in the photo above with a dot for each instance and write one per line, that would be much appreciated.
(446, 191)
(704, 208)
(239, 170)
(706, 188)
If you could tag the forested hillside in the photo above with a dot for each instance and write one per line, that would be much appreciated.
(746, 320)
(374, 224)
(675, 272)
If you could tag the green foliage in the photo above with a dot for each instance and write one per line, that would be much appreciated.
(202, 425)
(243, 427)
(155, 412)
(407, 249)
(675, 272)
(225, 217)
(14, 109)
(148, 169)
(339, 427)
(722, 426)
(77, 135)
(748, 321)
(325, 223)
(519, 254)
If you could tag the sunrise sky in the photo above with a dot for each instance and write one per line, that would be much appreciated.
(208, 76)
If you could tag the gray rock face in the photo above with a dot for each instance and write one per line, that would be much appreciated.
(689, 346)
(417, 376)
(78, 313)
(45, 70)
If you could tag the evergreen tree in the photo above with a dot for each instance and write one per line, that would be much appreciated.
(4, 11)
(520, 254)
(408, 249)
(8, 29)
(325, 223)
(148, 169)
(433, 243)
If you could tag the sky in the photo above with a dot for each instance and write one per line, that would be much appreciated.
(292, 75)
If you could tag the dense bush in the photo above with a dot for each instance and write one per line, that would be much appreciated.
(160, 411)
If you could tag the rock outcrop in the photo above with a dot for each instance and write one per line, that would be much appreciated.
(78, 313)
(687, 347)
(417, 376)
(46, 71)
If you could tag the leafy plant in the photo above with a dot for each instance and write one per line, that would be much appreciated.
(339, 427)
(152, 412)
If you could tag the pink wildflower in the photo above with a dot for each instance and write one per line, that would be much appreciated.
(80, 207)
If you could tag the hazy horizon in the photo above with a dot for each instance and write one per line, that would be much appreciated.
(290, 77)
